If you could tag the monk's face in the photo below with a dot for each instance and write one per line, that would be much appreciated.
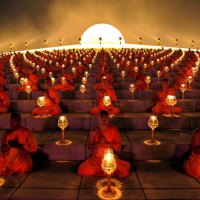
(14, 123)
(165, 84)
(103, 120)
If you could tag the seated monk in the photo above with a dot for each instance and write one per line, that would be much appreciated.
(64, 85)
(192, 165)
(105, 89)
(32, 81)
(161, 106)
(17, 143)
(52, 102)
(4, 101)
(103, 137)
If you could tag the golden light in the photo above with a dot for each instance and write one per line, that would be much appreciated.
(158, 73)
(63, 123)
(152, 123)
(109, 37)
(147, 81)
(84, 80)
(41, 102)
(171, 101)
(109, 165)
(106, 100)
(82, 89)
(28, 90)
(189, 80)
(183, 88)
(16, 74)
(132, 89)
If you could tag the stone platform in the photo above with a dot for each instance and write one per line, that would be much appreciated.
(150, 179)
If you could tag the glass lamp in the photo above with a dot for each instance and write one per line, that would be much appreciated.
(183, 88)
(171, 101)
(73, 70)
(63, 123)
(84, 80)
(28, 90)
(21, 81)
(25, 81)
(147, 81)
(43, 70)
(16, 74)
(90, 66)
(158, 73)
(109, 166)
(106, 101)
(152, 123)
(166, 70)
(132, 90)
(82, 89)
(41, 102)
(189, 80)
(53, 80)
(86, 74)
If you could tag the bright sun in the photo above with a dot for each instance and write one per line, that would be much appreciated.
(102, 35)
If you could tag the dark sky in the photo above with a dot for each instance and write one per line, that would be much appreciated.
(37, 20)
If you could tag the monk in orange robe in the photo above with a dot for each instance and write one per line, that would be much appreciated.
(4, 101)
(52, 102)
(105, 89)
(192, 165)
(103, 137)
(64, 85)
(33, 80)
(161, 106)
(17, 143)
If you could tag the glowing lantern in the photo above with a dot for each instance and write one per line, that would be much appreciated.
(152, 123)
(28, 90)
(62, 124)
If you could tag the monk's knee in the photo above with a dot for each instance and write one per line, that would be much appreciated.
(86, 170)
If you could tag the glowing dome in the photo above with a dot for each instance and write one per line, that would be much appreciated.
(102, 35)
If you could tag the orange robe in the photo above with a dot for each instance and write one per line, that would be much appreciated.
(192, 165)
(17, 160)
(102, 91)
(161, 106)
(64, 87)
(52, 104)
(4, 102)
(92, 166)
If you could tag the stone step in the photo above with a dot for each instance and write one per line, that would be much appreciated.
(85, 105)
(174, 144)
(125, 121)
(122, 93)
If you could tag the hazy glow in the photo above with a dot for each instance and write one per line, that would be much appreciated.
(149, 142)
(115, 185)
(106, 34)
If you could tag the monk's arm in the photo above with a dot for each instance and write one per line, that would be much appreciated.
(92, 144)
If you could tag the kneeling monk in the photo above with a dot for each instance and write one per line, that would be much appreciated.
(52, 102)
(103, 137)
(17, 143)
(161, 106)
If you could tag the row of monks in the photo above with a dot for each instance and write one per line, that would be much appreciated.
(69, 65)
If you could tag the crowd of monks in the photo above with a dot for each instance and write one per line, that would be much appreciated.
(57, 71)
